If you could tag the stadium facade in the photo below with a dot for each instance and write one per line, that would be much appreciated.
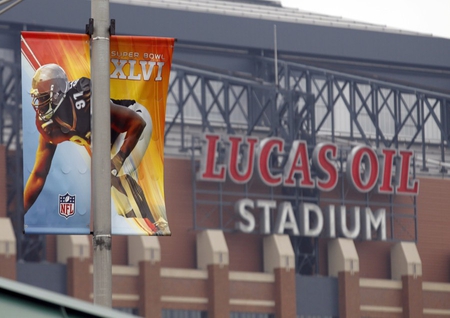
(306, 166)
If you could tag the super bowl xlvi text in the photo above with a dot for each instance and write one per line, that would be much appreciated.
(146, 55)
(137, 70)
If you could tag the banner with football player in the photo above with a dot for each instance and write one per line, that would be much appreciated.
(56, 113)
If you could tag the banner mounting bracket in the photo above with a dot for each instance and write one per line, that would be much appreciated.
(90, 27)
(112, 27)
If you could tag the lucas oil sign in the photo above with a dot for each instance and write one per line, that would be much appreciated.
(382, 171)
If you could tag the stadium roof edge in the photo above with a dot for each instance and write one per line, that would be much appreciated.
(265, 12)
(308, 38)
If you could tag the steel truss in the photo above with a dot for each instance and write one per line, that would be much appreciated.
(309, 103)
(11, 139)
(373, 112)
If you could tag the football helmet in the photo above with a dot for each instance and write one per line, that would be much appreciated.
(48, 86)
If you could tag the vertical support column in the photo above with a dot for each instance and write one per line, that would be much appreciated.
(145, 252)
(79, 278)
(8, 256)
(412, 296)
(4, 177)
(212, 255)
(74, 251)
(279, 259)
(149, 287)
(7, 249)
(343, 263)
(406, 266)
(349, 296)
(219, 291)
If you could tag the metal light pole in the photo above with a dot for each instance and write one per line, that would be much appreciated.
(101, 162)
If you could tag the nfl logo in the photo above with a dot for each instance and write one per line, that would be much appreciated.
(66, 205)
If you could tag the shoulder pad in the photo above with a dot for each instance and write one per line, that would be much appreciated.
(83, 84)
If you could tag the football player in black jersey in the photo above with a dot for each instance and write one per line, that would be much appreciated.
(63, 114)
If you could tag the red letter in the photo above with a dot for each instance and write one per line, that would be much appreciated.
(322, 155)
(405, 186)
(247, 159)
(266, 147)
(208, 169)
(298, 162)
(362, 168)
(385, 184)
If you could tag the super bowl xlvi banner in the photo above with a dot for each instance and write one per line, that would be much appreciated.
(56, 99)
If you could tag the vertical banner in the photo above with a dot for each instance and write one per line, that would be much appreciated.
(56, 114)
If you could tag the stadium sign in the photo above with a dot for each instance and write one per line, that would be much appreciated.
(386, 171)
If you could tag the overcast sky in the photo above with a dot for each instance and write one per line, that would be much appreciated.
(425, 16)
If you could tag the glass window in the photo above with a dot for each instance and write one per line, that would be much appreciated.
(250, 315)
(171, 313)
